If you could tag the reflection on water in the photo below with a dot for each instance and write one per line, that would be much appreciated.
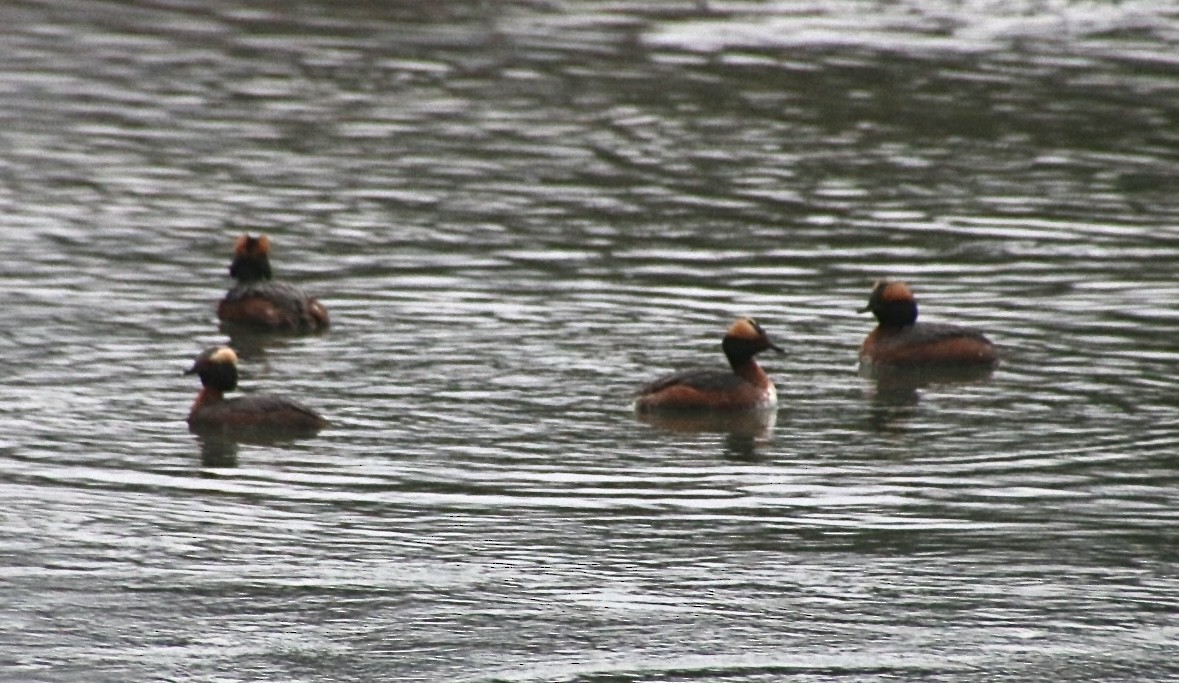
(895, 391)
(745, 431)
(752, 423)
(219, 448)
(255, 345)
(900, 385)
(516, 210)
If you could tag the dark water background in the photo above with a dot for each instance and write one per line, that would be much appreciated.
(517, 212)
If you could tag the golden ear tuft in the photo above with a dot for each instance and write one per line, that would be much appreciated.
(251, 246)
(223, 355)
(745, 328)
(895, 291)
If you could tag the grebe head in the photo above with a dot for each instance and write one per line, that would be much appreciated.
(892, 303)
(745, 339)
(217, 368)
(251, 258)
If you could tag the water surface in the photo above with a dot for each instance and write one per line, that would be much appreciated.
(517, 213)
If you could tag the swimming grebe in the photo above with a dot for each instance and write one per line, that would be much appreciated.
(744, 387)
(217, 368)
(258, 301)
(900, 341)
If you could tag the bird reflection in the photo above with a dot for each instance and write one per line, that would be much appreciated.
(745, 431)
(219, 448)
(250, 343)
(897, 390)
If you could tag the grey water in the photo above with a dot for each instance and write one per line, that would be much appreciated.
(519, 212)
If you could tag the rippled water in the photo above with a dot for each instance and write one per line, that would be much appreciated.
(519, 212)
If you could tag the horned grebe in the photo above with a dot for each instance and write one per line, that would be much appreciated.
(744, 387)
(258, 301)
(900, 341)
(217, 368)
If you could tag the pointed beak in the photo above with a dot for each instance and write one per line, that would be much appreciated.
(865, 309)
(777, 348)
(191, 371)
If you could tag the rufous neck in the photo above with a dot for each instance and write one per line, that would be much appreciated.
(207, 397)
(750, 371)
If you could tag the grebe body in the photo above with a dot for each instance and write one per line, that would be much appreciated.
(217, 369)
(743, 386)
(900, 341)
(258, 301)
